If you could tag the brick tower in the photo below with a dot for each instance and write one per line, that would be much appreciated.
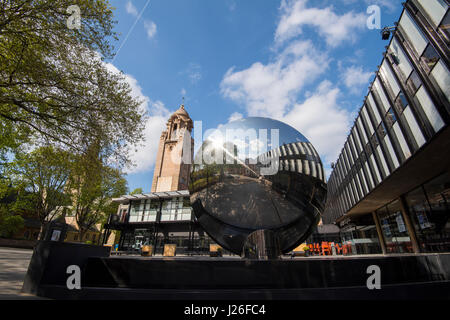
(175, 154)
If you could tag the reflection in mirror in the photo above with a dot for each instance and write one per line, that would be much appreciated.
(257, 174)
(262, 245)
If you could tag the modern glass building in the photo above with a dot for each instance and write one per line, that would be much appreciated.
(389, 190)
(158, 218)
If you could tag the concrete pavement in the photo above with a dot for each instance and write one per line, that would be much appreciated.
(13, 267)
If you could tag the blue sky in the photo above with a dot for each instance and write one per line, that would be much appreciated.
(307, 63)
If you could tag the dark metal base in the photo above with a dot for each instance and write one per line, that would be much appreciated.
(424, 276)
(410, 291)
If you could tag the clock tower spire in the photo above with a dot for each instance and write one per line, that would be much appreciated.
(175, 153)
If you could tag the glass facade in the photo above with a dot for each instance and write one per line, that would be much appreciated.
(406, 107)
(186, 243)
(362, 235)
(394, 229)
(429, 210)
(174, 209)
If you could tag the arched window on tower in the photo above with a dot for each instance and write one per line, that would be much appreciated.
(175, 131)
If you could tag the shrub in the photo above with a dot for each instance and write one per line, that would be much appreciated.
(10, 225)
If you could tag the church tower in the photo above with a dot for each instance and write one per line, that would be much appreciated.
(175, 154)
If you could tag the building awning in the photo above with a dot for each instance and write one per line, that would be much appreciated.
(152, 195)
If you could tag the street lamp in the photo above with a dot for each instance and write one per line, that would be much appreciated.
(386, 32)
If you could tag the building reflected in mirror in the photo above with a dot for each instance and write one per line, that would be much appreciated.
(257, 174)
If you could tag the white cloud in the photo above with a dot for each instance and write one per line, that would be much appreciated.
(193, 72)
(322, 121)
(144, 155)
(355, 78)
(276, 89)
(131, 9)
(388, 4)
(136, 90)
(270, 89)
(334, 27)
(183, 92)
(235, 116)
(150, 28)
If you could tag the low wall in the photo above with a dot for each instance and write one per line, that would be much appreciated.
(15, 243)
(161, 273)
(48, 265)
(422, 276)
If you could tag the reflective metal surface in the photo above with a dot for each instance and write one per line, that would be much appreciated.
(257, 174)
(262, 245)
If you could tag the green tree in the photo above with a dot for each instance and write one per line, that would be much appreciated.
(93, 185)
(137, 191)
(42, 175)
(54, 84)
(10, 222)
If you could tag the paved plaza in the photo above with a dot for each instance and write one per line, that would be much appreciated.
(13, 267)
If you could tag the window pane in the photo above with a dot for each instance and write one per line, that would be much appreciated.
(369, 175)
(357, 196)
(438, 195)
(416, 37)
(430, 56)
(390, 118)
(154, 204)
(391, 152)
(350, 157)
(401, 59)
(348, 199)
(429, 109)
(373, 108)
(401, 103)
(361, 130)
(344, 156)
(383, 161)
(414, 82)
(435, 9)
(375, 168)
(441, 74)
(402, 141)
(358, 185)
(417, 133)
(352, 198)
(390, 78)
(399, 227)
(384, 101)
(358, 142)
(352, 146)
(445, 25)
(374, 141)
(419, 211)
(367, 119)
(361, 174)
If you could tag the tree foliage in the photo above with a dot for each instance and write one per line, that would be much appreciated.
(10, 221)
(54, 84)
(10, 224)
(93, 184)
(42, 174)
(137, 191)
(59, 96)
